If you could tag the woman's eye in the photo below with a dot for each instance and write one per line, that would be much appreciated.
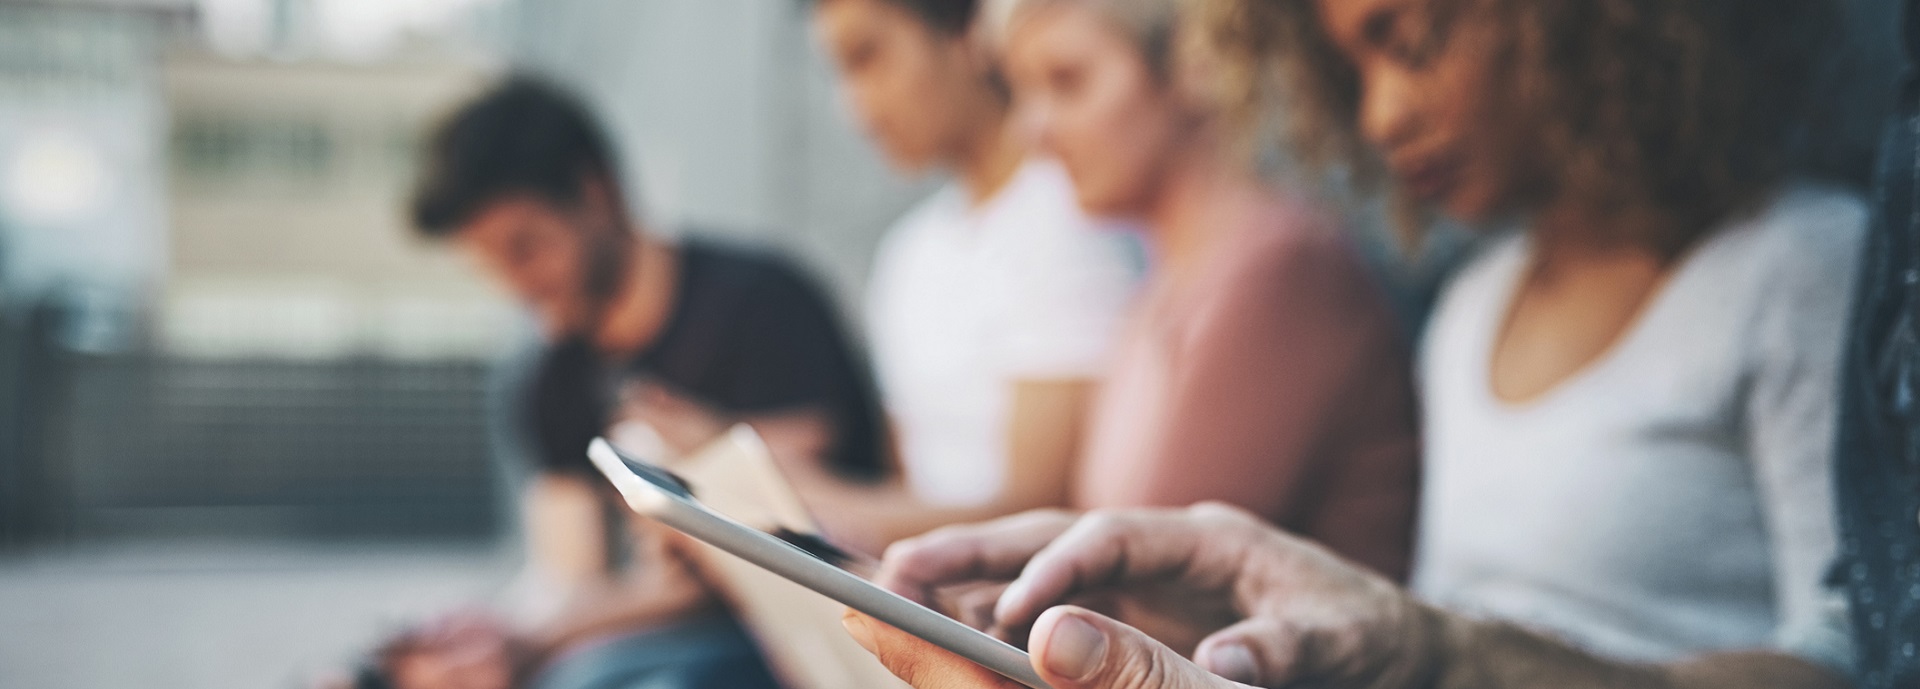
(859, 57)
(1400, 39)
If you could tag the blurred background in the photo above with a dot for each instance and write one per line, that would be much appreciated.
(242, 411)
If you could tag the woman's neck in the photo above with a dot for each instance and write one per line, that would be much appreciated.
(1569, 234)
(989, 158)
(638, 309)
(1200, 195)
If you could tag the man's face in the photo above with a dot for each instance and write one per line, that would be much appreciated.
(560, 263)
(908, 84)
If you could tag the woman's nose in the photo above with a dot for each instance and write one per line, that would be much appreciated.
(1388, 116)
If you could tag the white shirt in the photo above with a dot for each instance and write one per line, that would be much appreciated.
(1675, 496)
(967, 300)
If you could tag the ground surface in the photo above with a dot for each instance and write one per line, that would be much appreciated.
(218, 616)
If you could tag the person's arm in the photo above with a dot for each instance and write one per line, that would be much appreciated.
(1043, 437)
(1792, 409)
(1044, 428)
(1071, 288)
(1305, 617)
(1096, 652)
(567, 532)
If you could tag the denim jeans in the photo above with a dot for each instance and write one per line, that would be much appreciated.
(707, 653)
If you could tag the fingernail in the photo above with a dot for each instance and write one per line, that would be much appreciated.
(858, 628)
(1075, 649)
(1234, 662)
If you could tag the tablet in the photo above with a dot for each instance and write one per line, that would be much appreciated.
(799, 631)
(657, 493)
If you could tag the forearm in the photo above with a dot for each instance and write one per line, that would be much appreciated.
(1043, 434)
(871, 517)
(1494, 655)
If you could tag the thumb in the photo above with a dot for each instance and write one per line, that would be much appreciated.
(1076, 648)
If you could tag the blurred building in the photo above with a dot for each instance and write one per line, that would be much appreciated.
(81, 150)
(288, 239)
(221, 324)
(82, 232)
(215, 319)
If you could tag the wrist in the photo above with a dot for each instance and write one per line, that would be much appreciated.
(1488, 654)
(1437, 642)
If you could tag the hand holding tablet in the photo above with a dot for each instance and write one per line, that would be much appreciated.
(657, 493)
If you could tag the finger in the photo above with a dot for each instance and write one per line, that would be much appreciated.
(1387, 642)
(1257, 651)
(918, 662)
(1201, 548)
(973, 606)
(1076, 648)
(994, 550)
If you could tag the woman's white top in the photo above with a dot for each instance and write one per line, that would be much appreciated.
(968, 299)
(1675, 496)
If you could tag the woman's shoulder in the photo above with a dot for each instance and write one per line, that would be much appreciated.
(1291, 232)
(1794, 261)
(1296, 252)
(1804, 230)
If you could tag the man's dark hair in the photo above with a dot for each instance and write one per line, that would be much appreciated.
(526, 136)
(950, 17)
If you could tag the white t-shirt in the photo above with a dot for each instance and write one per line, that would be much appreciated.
(1675, 496)
(966, 300)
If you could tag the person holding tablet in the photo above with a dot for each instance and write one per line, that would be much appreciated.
(689, 336)
(1264, 367)
(994, 303)
(1631, 401)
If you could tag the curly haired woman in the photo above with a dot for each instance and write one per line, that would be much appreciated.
(1630, 399)
(1630, 394)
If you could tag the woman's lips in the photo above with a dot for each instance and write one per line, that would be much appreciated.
(1430, 180)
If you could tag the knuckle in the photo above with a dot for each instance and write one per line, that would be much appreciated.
(1220, 514)
(1095, 528)
(1044, 515)
(1101, 520)
(1142, 669)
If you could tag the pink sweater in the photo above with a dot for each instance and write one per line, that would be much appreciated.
(1273, 378)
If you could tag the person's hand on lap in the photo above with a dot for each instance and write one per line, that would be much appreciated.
(465, 650)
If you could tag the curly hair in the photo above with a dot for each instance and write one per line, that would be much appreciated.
(1690, 107)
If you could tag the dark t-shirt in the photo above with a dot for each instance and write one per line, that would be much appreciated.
(1878, 472)
(748, 334)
